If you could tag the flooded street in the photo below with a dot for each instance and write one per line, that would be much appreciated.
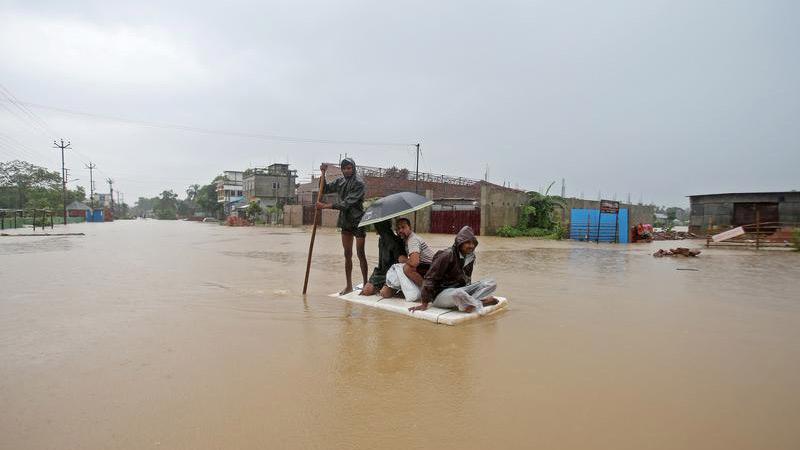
(180, 335)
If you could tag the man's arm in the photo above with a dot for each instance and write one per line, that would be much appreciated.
(432, 279)
(413, 259)
(414, 250)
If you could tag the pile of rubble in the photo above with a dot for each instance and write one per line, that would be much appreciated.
(673, 235)
(680, 251)
(234, 221)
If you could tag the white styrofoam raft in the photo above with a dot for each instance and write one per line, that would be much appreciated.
(432, 314)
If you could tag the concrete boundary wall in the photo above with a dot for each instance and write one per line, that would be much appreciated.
(293, 215)
(500, 207)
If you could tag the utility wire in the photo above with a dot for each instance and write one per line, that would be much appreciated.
(22, 148)
(270, 137)
(38, 121)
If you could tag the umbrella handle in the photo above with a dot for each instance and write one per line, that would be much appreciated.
(314, 230)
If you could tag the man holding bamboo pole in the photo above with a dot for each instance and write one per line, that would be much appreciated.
(349, 190)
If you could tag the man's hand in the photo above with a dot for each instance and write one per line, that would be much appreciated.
(321, 205)
(421, 307)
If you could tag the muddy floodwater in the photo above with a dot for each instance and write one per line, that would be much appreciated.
(178, 335)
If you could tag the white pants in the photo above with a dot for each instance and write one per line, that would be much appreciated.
(470, 295)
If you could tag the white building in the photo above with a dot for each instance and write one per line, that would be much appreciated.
(101, 200)
(229, 188)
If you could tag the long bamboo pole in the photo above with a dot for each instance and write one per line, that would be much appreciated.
(314, 230)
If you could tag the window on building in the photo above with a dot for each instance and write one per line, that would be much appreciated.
(276, 185)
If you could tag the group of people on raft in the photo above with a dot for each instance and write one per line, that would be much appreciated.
(407, 265)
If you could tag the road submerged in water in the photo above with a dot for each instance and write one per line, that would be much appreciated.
(155, 334)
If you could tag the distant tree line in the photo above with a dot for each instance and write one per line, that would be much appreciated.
(199, 199)
(27, 186)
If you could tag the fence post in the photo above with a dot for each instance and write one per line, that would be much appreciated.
(758, 228)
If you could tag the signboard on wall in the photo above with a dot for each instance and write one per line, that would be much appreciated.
(609, 206)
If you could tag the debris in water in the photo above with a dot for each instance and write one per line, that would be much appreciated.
(680, 251)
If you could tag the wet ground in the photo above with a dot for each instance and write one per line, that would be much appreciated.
(178, 335)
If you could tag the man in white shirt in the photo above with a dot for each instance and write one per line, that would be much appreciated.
(420, 255)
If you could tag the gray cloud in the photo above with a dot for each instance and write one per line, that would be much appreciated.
(659, 99)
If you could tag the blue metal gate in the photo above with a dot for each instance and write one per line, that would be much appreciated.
(591, 225)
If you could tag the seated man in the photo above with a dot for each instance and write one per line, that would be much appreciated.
(448, 283)
(420, 255)
(390, 249)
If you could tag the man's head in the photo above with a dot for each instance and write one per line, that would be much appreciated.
(404, 227)
(466, 241)
(466, 247)
(348, 167)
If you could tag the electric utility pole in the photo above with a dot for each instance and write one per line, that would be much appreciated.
(63, 147)
(416, 178)
(91, 167)
(416, 186)
(111, 189)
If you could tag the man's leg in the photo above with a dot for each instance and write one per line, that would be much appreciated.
(362, 256)
(412, 274)
(347, 244)
(448, 298)
(465, 299)
(482, 290)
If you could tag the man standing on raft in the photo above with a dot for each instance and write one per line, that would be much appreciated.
(350, 190)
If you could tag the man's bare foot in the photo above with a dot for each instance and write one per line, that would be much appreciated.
(369, 289)
(469, 309)
(387, 292)
(489, 301)
(346, 290)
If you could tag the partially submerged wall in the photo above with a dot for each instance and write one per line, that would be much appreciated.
(499, 207)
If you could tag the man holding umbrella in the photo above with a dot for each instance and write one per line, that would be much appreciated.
(350, 190)
(390, 250)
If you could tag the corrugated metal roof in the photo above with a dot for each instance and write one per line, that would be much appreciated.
(747, 193)
(78, 205)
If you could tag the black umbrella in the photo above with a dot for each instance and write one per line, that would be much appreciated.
(392, 206)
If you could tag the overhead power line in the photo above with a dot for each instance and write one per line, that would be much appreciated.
(269, 137)
(28, 116)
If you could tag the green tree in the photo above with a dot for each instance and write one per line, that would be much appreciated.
(254, 210)
(206, 199)
(538, 213)
(22, 183)
(166, 205)
(191, 192)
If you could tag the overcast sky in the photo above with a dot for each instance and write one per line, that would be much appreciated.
(656, 99)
